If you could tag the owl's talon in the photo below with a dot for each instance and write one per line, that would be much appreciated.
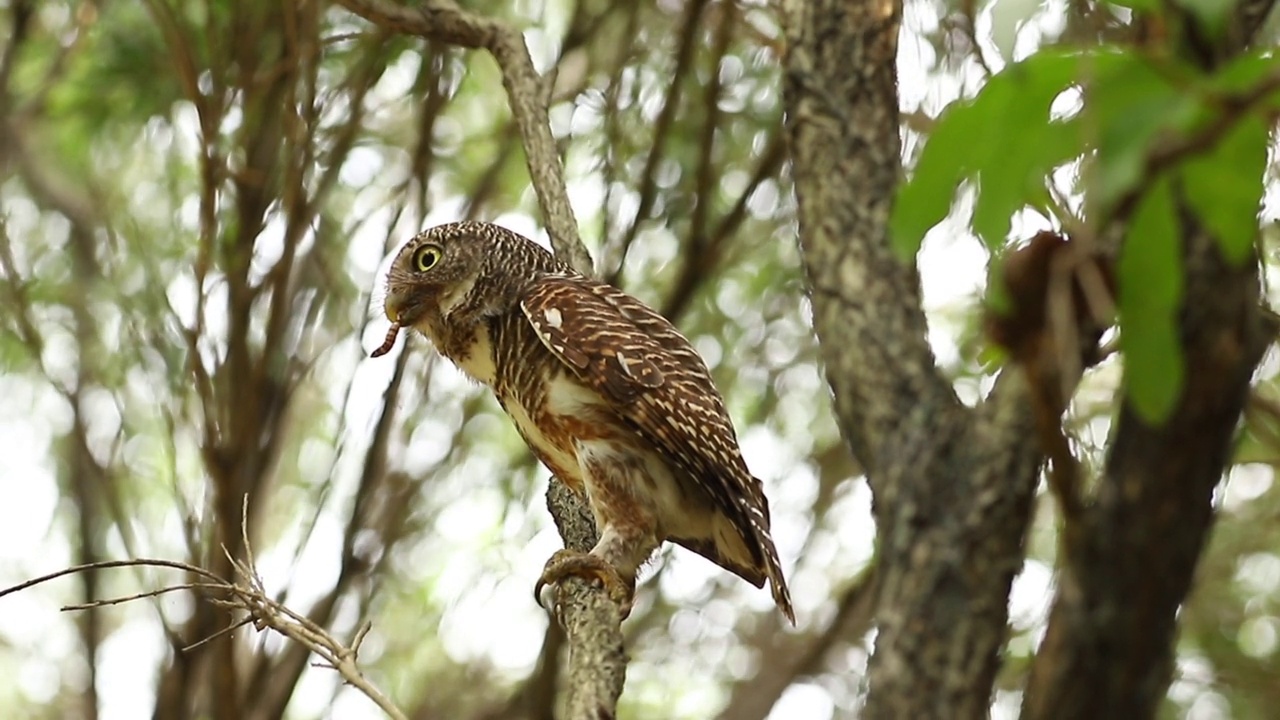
(565, 563)
(545, 595)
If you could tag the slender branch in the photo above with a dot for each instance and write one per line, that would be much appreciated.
(661, 131)
(21, 12)
(246, 595)
(597, 662)
(710, 250)
(444, 21)
(1232, 110)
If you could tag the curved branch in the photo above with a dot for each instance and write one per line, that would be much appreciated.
(792, 657)
(1130, 559)
(445, 22)
(841, 98)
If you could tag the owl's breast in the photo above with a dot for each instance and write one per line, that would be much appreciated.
(468, 345)
(476, 358)
(554, 413)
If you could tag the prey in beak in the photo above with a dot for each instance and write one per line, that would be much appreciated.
(393, 314)
(389, 342)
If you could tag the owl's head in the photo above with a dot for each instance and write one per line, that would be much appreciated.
(468, 268)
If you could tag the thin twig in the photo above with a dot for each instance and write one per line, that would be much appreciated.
(249, 596)
(661, 131)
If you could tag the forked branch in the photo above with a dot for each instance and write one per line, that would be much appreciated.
(243, 594)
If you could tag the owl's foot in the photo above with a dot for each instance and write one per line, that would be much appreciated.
(565, 563)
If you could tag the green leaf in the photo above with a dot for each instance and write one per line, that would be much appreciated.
(1212, 13)
(1003, 136)
(1130, 101)
(1243, 74)
(1150, 278)
(925, 199)
(1225, 186)
(998, 298)
(1019, 180)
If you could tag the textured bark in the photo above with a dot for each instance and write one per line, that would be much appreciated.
(952, 486)
(1130, 563)
(1129, 559)
(597, 661)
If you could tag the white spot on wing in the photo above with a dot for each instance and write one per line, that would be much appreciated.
(554, 319)
(626, 367)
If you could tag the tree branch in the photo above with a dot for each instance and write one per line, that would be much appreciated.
(597, 661)
(952, 487)
(1108, 651)
(444, 21)
(842, 118)
(246, 595)
(1129, 561)
(791, 657)
(661, 132)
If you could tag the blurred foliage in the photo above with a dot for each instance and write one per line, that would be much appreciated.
(196, 201)
(1132, 120)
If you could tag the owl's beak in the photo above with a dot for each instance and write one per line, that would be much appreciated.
(391, 306)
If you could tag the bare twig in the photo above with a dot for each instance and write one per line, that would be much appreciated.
(104, 564)
(662, 130)
(702, 263)
(247, 594)
(791, 657)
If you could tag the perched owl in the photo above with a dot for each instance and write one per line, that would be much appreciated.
(606, 393)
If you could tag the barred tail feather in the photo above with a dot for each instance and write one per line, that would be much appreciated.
(777, 583)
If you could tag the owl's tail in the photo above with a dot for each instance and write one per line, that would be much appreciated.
(777, 583)
(758, 513)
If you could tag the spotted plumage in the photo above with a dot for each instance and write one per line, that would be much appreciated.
(604, 390)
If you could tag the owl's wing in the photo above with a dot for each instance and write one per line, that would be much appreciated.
(657, 382)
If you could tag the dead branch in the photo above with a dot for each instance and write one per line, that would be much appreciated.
(246, 594)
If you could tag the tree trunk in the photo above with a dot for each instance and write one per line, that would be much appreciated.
(952, 485)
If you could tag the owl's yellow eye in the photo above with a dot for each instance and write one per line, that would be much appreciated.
(426, 257)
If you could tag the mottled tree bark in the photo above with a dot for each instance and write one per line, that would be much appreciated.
(952, 486)
(1128, 561)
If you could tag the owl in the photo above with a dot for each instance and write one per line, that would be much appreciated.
(604, 391)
